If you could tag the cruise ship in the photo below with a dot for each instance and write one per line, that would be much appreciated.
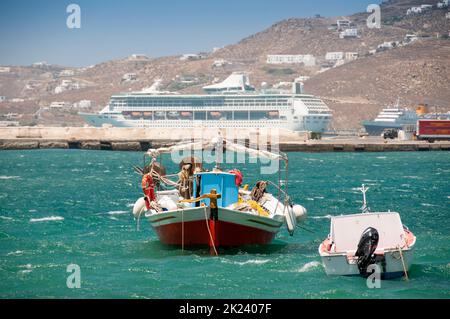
(233, 103)
(392, 117)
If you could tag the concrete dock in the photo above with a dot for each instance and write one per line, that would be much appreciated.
(137, 139)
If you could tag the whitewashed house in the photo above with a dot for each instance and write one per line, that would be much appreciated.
(426, 7)
(334, 56)
(5, 69)
(348, 33)
(57, 105)
(83, 104)
(191, 57)
(138, 57)
(343, 23)
(306, 59)
(411, 38)
(67, 85)
(302, 78)
(350, 56)
(129, 77)
(220, 63)
(67, 72)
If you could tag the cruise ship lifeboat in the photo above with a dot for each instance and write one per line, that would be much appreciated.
(215, 114)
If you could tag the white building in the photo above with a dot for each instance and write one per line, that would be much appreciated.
(67, 73)
(348, 33)
(343, 23)
(8, 123)
(426, 7)
(447, 15)
(411, 37)
(129, 77)
(388, 45)
(443, 4)
(13, 116)
(138, 57)
(334, 56)
(40, 64)
(5, 69)
(302, 78)
(2, 98)
(306, 59)
(414, 10)
(67, 85)
(350, 56)
(191, 57)
(17, 100)
(83, 104)
(220, 63)
(58, 105)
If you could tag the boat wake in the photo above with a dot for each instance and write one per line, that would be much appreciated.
(321, 217)
(309, 266)
(251, 261)
(118, 212)
(9, 177)
(46, 219)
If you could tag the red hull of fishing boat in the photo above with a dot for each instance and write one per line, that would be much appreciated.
(224, 234)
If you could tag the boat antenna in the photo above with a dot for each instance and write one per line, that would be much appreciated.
(219, 150)
(364, 208)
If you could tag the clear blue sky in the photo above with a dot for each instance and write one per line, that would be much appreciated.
(36, 30)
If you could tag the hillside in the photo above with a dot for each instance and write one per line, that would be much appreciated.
(357, 90)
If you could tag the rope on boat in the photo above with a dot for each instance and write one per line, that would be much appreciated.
(209, 231)
(403, 262)
(138, 219)
(182, 229)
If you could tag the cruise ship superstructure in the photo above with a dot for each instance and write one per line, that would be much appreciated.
(393, 117)
(233, 103)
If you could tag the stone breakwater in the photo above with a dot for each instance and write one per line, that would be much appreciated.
(141, 139)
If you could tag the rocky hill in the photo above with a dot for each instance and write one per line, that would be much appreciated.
(416, 73)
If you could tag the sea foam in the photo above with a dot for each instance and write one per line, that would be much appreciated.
(310, 266)
(46, 219)
(9, 177)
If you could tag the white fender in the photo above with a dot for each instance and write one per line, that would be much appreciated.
(291, 221)
(300, 213)
(139, 207)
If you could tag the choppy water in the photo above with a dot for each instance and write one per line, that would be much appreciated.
(59, 207)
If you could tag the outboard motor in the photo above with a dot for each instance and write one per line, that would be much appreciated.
(366, 248)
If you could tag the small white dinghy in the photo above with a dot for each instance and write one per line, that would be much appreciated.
(359, 240)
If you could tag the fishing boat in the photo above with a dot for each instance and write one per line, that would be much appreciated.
(358, 241)
(212, 208)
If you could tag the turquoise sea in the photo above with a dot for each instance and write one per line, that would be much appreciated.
(61, 207)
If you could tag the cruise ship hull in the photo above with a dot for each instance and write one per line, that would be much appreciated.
(376, 128)
(302, 124)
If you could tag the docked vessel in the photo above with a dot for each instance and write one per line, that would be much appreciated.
(358, 241)
(212, 208)
(391, 118)
(233, 103)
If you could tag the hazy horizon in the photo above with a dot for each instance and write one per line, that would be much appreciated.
(37, 31)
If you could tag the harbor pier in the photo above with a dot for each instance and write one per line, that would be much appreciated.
(141, 139)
